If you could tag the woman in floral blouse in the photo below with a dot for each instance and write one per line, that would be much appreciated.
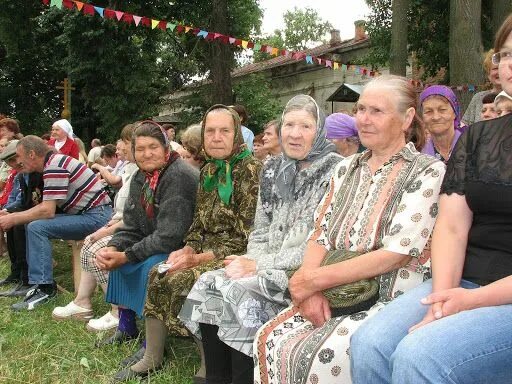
(382, 205)
(225, 205)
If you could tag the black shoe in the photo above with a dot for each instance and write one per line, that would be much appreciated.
(127, 374)
(133, 359)
(35, 297)
(117, 338)
(9, 280)
(19, 290)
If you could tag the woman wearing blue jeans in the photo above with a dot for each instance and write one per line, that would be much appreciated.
(457, 328)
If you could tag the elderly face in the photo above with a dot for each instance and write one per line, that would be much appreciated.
(219, 134)
(488, 112)
(298, 134)
(271, 139)
(380, 125)
(345, 147)
(503, 106)
(149, 153)
(494, 76)
(27, 161)
(438, 115)
(259, 151)
(58, 133)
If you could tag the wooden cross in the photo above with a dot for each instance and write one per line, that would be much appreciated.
(66, 86)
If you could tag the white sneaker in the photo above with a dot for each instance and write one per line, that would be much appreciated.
(72, 311)
(104, 323)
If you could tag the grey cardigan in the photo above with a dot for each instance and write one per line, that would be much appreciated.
(175, 199)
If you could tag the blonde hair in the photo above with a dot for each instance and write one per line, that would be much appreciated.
(487, 63)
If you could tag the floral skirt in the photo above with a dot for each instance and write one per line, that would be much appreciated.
(238, 307)
(290, 350)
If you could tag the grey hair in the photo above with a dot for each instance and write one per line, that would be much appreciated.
(34, 143)
(303, 103)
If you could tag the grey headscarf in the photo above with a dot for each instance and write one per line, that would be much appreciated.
(285, 179)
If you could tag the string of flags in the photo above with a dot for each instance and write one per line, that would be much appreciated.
(120, 16)
(461, 88)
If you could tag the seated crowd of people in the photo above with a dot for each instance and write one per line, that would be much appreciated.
(372, 248)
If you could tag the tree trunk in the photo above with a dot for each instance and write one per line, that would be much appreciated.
(465, 46)
(221, 56)
(398, 55)
(500, 9)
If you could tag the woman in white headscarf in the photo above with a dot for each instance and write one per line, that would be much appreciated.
(62, 139)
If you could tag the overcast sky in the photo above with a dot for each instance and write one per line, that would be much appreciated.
(341, 14)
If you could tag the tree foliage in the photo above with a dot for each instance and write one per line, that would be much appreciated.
(304, 29)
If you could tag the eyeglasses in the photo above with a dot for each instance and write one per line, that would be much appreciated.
(503, 56)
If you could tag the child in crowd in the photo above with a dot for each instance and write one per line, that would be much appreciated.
(503, 104)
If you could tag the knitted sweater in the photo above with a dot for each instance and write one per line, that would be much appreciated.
(281, 228)
(175, 198)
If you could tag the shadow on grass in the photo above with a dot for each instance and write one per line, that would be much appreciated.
(34, 348)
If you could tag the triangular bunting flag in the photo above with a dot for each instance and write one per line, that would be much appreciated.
(328, 63)
(179, 28)
(154, 23)
(171, 26)
(343, 67)
(358, 70)
(67, 4)
(187, 29)
(238, 42)
(99, 10)
(202, 34)
(232, 40)
(88, 9)
(79, 5)
(263, 48)
(269, 49)
(216, 35)
(162, 25)
(109, 13)
(336, 65)
(319, 60)
(250, 45)
(56, 3)
(275, 51)
(137, 19)
(309, 60)
(257, 47)
(119, 15)
(244, 43)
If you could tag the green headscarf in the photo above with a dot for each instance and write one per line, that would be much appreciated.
(217, 172)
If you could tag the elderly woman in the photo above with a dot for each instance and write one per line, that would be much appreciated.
(81, 307)
(229, 305)
(341, 130)
(472, 114)
(441, 116)
(226, 202)
(456, 328)
(62, 139)
(192, 145)
(156, 216)
(380, 207)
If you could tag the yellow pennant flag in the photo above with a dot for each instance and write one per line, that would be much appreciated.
(187, 29)
(275, 51)
(244, 43)
(154, 23)
(336, 65)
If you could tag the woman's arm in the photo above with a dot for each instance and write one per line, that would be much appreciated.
(111, 179)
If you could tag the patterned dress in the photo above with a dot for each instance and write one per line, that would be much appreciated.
(222, 229)
(393, 209)
(281, 228)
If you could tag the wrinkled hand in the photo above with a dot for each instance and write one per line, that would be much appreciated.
(316, 309)
(446, 303)
(99, 234)
(3, 213)
(183, 258)
(109, 258)
(7, 221)
(301, 286)
(239, 266)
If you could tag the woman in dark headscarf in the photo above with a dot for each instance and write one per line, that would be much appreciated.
(226, 202)
(229, 305)
(441, 115)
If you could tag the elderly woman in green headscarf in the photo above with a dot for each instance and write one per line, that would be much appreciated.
(225, 207)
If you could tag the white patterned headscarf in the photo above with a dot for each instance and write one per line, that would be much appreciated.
(65, 126)
(285, 180)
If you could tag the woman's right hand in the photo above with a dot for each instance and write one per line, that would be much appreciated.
(435, 312)
(99, 234)
(316, 309)
(174, 256)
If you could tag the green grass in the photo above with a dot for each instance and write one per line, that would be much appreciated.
(34, 348)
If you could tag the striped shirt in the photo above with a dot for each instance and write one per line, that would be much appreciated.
(75, 187)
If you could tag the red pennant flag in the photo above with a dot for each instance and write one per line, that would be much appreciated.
(209, 36)
(79, 5)
(195, 31)
(238, 42)
(372, 73)
(146, 21)
(128, 18)
(162, 25)
(46, 2)
(88, 9)
(216, 35)
(68, 4)
(109, 13)
(263, 48)
(180, 28)
(224, 39)
(119, 15)
(250, 45)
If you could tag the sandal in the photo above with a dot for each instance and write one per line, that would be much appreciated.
(104, 323)
(72, 311)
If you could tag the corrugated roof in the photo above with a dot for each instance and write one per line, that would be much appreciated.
(285, 60)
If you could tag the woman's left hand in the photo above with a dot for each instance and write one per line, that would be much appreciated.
(107, 259)
(184, 260)
(301, 286)
(239, 266)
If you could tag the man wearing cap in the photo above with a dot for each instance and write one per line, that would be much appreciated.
(69, 186)
(26, 193)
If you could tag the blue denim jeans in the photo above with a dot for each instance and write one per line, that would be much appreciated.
(62, 226)
(469, 347)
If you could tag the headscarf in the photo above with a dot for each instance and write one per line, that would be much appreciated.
(65, 126)
(285, 179)
(218, 172)
(147, 197)
(447, 93)
(340, 126)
